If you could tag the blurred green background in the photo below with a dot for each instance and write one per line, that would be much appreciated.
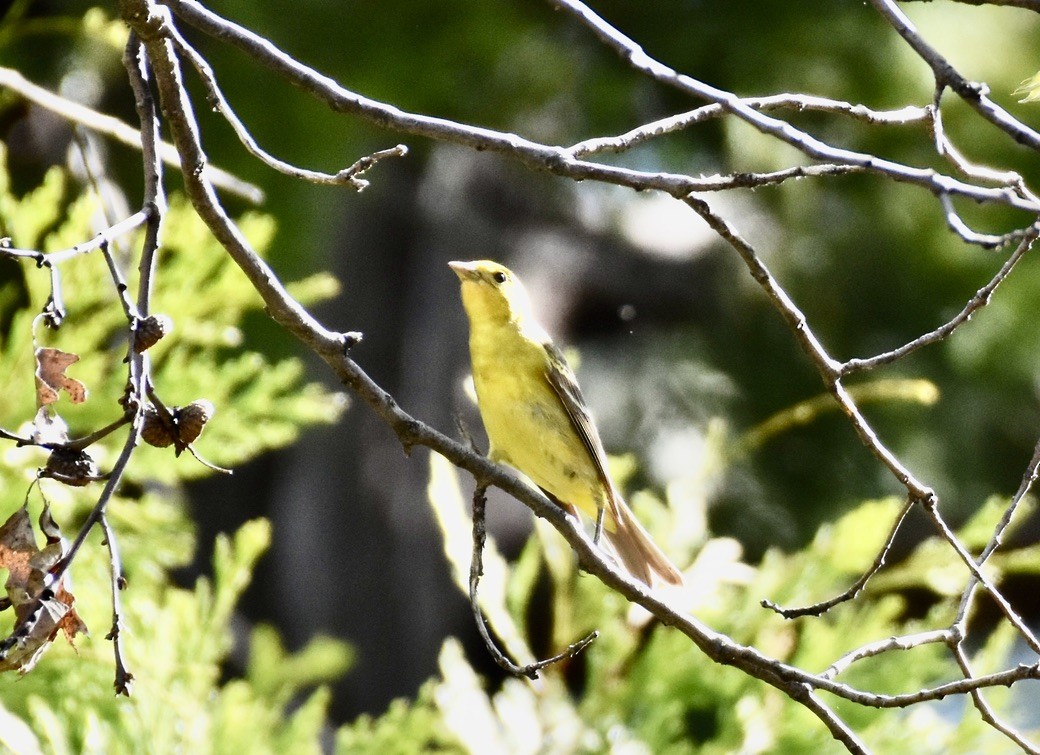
(673, 335)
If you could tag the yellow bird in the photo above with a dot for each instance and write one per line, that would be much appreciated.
(536, 418)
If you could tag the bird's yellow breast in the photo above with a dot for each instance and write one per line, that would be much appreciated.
(525, 421)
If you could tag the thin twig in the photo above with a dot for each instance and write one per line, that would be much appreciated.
(976, 302)
(88, 440)
(114, 270)
(346, 177)
(982, 706)
(773, 178)
(115, 129)
(817, 609)
(962, 229)
(905, 642)
(476, 570)
(798, 102)
(1028, 479)
(124, 681)
(946, 148)
(974, 94)
(1012, 616)
(112, 203)
(840, 730)
(42, 259)
(136, 63)
(122, 290)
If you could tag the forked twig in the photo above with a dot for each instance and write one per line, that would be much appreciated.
(349, 176)
(476, 570)
(979, 300)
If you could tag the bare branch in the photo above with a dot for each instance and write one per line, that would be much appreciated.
(796, 102)
(101, 240)
(945, 148)
(136, 65)
(906, 642)
(985, 240)
(88, 440)
(976, 302)
(822, 607)
(1033, 5)
(1028, 479)
(840, 730)
(124, 679)
(830, 370)
(974, 94)
(977, 576)
(985, 710)
(637, 58)
(476, 571)
(346, 177)
(558, 160)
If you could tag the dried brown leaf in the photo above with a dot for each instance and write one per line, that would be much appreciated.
(27, 567)
(51, 378)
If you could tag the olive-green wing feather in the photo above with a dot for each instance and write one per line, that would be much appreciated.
(632, 542)
(561, 378)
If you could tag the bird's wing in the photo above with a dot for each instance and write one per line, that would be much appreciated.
(633, 545)
(561, 378)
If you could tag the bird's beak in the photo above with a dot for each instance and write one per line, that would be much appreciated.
(465, 270)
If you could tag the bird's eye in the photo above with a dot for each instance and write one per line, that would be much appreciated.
(499, 277)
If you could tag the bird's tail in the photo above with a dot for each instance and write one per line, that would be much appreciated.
(640, 555)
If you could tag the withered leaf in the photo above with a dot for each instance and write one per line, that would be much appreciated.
(51, 378)
(27, 567)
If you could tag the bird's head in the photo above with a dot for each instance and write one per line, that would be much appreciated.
(491, 293)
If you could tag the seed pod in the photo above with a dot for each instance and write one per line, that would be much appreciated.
(154, 431)
(191, 419)
(71, 467)
(150, 330)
